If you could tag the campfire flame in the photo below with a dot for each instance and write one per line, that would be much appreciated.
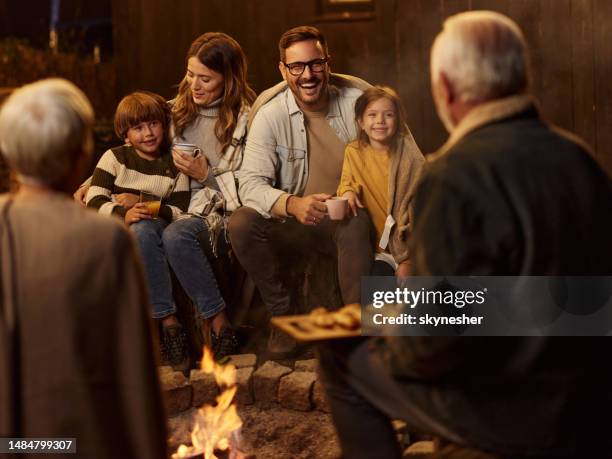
(225, 375)
(214, 425)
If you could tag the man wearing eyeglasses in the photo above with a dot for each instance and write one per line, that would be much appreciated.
(292, 164)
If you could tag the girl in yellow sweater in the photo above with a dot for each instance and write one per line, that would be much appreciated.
(365, 171)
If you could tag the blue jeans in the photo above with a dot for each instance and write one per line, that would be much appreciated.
(148, 234)
(189, 263)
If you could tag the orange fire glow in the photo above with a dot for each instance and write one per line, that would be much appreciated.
(214, 425)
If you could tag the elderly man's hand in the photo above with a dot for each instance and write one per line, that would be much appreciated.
(79, 195)
(309, 210)
(196, 168)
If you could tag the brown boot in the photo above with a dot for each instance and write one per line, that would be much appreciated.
(280, 345)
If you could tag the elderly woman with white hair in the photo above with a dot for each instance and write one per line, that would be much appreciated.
(76, 357)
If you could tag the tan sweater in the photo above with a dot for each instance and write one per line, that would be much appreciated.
(404, 173)
(325, 154)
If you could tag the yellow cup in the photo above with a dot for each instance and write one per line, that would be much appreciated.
(153, 203)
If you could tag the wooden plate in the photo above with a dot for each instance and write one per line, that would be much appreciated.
(302, 328)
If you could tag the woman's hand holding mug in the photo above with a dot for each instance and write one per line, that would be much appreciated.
(195, 165)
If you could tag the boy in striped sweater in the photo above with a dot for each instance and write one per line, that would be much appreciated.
(145, 164)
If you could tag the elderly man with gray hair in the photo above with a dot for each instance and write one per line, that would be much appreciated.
(508, 194)
(76, 357)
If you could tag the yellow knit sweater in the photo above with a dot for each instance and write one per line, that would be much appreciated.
(366, 172)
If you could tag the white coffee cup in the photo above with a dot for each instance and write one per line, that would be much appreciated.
(336, 207)
(189, 148)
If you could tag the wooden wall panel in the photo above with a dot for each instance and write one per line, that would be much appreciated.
(267, 20)
(431, 18)
(568, 41)
(555, 70)
(602, 12)
(413, 78)
(583, 71)
(365, 48)
(152, 46)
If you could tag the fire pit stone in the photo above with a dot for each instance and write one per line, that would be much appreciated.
(177, 392)
(205, 388)
(266, 380)
(295, 390)
(244, 381)
(164, 370)
(306, 365)
(319, 398)
(242, 360)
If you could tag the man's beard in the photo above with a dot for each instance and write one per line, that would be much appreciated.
(319, 90)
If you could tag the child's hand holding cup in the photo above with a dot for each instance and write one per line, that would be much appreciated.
(353, 201)
(146, 208)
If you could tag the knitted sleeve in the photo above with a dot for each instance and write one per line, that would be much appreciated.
(103, 184)
(178, 201)
(347, 179)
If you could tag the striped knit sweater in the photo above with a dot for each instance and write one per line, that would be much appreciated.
(121, 170)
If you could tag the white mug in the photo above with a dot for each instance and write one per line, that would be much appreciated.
(336, 207)
(188, 148)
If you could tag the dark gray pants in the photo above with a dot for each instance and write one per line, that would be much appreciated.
(364, 397)
(261, 243)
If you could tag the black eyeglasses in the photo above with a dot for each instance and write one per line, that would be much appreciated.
(315, 66)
